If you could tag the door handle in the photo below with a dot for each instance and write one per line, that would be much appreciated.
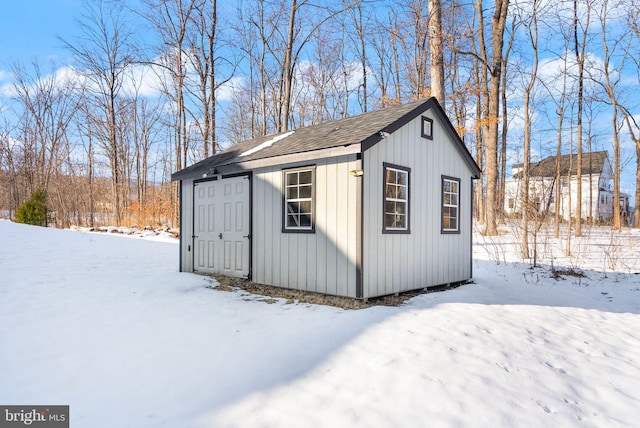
(220, 236)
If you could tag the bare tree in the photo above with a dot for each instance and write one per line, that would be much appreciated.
(360, 22)
(295, 42)
(171, 19)
(212, 70)
(580, 53)
(491, 119)
(505, 117)
(632, 125)
(614, 47)
(386, 71)
(634, 132)
(530, 22)
(103, 53)
(47, 107)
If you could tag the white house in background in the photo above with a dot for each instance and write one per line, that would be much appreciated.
(597, 194)
(364, 206)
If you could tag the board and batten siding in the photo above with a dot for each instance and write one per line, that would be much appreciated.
(425, 257)
(324, 261)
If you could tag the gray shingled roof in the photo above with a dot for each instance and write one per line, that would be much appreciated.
(592, 163)
(364, 128)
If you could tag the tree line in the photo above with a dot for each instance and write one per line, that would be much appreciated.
(156, 85)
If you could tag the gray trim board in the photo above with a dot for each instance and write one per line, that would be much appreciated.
(359, 232)
(180, 225)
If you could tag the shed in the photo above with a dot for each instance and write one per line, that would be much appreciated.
(364, 206)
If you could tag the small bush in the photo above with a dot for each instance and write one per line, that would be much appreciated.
(35, 210)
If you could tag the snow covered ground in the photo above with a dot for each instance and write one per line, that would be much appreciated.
(108, 326)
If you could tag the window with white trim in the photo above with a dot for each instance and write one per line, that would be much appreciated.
(450, 205)
(298, 200)
(396, 199)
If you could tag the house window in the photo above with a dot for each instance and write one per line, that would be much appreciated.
(512, 203)
(396, 199)
(450, 205)
(427, 128)
(298, 200)
(603, 198)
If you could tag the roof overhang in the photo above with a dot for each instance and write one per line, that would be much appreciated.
(235, 167)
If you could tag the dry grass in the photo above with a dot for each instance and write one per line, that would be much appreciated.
(270, 294)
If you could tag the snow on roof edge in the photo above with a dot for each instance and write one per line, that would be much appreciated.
(266, 144)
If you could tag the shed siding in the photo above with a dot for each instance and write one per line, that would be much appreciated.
(425, 257)
(324, 261)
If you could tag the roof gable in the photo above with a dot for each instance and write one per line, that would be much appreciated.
(365, 129)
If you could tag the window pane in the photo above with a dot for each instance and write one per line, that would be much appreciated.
(390, 191)
(293, 207)
(402, 178)
(305, 191)
(402, 192)
(292, 193)
(305, 177)
(305, 220)
(305, 207)
(454, 187)
(389, 220)
(389, 207)
(447, 199)
(293, 220)
(292, 178)
(446, 186)
(426, 128)
(400, 208)
(391, 176)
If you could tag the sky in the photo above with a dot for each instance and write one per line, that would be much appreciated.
(30, 29)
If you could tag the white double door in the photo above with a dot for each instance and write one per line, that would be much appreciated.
(221, 226)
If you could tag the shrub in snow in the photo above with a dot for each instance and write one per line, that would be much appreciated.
(35, 210)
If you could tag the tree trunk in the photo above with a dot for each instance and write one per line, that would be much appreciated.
(526, 208)
(491, 144)
(436, 50)
(580, 57)
(287, 70)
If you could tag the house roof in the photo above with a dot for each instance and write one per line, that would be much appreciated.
(365, 130)
(592, 163)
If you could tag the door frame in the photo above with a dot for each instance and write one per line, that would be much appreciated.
(220, 177)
